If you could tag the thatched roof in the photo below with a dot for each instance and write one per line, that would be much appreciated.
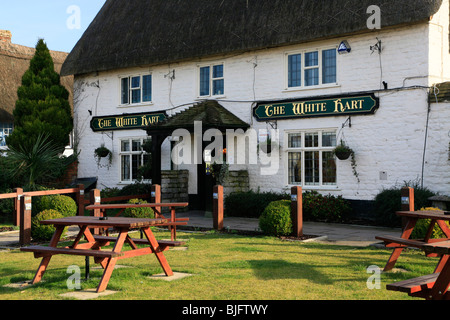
(209, 112)
(14, 61)
(148, 32)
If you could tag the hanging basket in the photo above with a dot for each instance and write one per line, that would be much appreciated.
(343, 155)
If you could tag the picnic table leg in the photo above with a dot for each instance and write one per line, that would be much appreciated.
(441, 285)
(410, 224)
(111, 262)
(442, 263)
(46, 260)
(158, 252)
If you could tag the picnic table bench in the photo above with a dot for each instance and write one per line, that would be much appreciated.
(93, 246)
(433, 286)
(404, 241)
(172, 222)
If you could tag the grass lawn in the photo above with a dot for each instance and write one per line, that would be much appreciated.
(226, 267)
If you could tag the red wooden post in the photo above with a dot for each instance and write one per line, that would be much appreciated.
(80, 199)
(297, 211)
(156, 198)
(94, 197)
(19, 194)
(25, 221)
(407, 199)
(218, 207)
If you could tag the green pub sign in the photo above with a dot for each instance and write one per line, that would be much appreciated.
(330, 106)
(126, 121)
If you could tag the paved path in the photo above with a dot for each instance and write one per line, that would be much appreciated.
(341, 234)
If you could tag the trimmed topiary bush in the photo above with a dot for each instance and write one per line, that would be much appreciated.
(276, 219)
(61, 203)
(138, 212)
(41, 232)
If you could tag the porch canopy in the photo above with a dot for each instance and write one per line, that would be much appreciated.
(210, 113)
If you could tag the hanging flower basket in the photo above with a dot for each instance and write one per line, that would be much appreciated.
(342, 151)
(102, 152)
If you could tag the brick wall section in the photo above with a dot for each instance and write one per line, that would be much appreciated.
(174, 186)
(237, 181)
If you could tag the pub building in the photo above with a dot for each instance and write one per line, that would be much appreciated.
(156, 80)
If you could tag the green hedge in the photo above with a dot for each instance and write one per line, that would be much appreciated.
(328, 208)
(388, 201)
(250, 204)
(61, 203)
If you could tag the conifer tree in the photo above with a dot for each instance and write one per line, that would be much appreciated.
(42, 106)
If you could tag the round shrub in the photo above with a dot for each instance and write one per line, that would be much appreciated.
(421, 228)
(43, 232)
(138, 212)
(276, 218)
(61, 203)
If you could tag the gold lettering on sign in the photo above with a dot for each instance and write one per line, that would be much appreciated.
(340, 107)
(305, 108)
(102, 123)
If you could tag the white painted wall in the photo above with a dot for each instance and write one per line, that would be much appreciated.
(392, 140)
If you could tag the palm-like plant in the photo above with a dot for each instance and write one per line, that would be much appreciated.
(35, 163)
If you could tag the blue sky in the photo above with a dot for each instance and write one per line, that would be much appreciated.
(60, 23)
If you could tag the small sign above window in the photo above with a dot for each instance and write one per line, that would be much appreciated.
(330, 106)
(126, 121)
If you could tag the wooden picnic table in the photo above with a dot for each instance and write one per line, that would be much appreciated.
(92, 247)
(173, 220)
(404, 241)
(433, 286)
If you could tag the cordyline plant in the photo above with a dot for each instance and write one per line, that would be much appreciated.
(31, 164)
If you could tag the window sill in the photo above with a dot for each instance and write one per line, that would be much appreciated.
(327, 86)
(210, 97)
(142, 104)
(316, 188)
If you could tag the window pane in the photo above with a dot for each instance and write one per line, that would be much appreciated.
(311, 59)
(204, 81)
(218, 71)
(135, 96)
(218, 87)
(295, 167)
(136, 145)
(125, 167)
(147, 88)
(311, 140)
(312, 168)
(328, 168)
(125, 90)
(295, 140)
(312, 77)
(135, 164)
(329, 66)
(295, 70)
(328, 139)
(135, 82)
(125, 145)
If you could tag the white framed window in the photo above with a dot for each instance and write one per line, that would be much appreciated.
(310, 68)
(136, 89)
(211, 80)
(5, 130)
(310, 158)
(135, 163)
